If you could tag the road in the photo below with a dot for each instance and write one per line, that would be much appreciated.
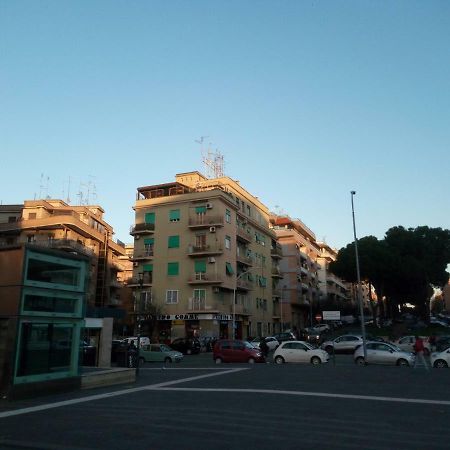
(196, 404)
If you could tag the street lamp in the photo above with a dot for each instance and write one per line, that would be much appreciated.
(358, 276)
(234, 299)
(138, 302)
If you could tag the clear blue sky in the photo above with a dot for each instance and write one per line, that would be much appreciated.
(306, 100)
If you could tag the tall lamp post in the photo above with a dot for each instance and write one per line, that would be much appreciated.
(234, 300)
(358, 277)
(138, 322)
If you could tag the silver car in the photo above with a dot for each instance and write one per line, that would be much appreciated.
(441, 359)
(383, 353)
(343, 344)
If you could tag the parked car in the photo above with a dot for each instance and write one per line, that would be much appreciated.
(320, 328)
(442, 343)
(284, 336)
(313, 337)
(234, 351)
(299, 352)
(159, 353)
(143, 340)
(383, 353)
(406, 343)
(346, 343)
(187, 346)
(271, 342)
(441, 359)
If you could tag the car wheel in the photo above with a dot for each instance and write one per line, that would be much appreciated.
(329, 349)
(188, 351)
(279, 360)
(315, 360)
(360, 361)
(218, 361)
(440, 364)
(251, 360)
(402, 362)
(168, 360)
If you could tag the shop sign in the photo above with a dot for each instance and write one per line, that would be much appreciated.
(178, 317)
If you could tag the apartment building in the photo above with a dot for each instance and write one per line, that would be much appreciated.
(203, 258)
(299, 270)
(54, 224)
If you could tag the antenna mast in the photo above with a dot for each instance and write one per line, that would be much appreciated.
(213, 161)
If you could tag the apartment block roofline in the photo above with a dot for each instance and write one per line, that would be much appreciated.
(297, 224)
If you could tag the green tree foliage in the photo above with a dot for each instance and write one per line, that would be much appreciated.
(403, 266)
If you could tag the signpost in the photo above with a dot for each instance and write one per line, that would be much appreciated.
(318, 317)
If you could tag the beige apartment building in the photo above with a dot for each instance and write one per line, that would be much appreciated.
(205, 258)
(299, 267)
(78, 230)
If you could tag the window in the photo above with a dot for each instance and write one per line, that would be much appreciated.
(31, 238)
(229, 269)
(248, 211)
(174, 215)
(200, 266)
(51, 302)
(227, 216)
(150, 218)
(199, 295)
(31, 216)
(148, 246)
(172, 268)
(227, 242)
(171, 297)
(174, 241)
(262, 281)
(12, 219)
(200, 240)
(200, 209)
(148, 268)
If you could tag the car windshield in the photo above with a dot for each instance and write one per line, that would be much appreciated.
(394, 347)
(248, 345)
(309, 346)
(165, 348)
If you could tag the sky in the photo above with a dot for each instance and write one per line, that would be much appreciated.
(306, 100)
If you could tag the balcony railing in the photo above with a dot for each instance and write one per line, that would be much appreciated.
(205, 278)
(142, 228)
(244, 260)
(64, 244)
(143, 254)
(244, 284)
(276, 273)
(243, 234)
(147, 280)
(276, 253)
(205, 220)
(194, 250)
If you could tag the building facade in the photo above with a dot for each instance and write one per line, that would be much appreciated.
(203, 259)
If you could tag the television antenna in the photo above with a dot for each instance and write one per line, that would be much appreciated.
(213, 161)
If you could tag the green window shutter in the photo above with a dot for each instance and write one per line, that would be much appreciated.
(148, 267)
(174, 241)
(172, 268)
(250, 277)
(200, 266)
(174, 214)
(150, 217)
(200, 209)
(229, 268)
(263, 281)
(149, 241)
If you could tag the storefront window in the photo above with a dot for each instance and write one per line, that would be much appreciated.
(44, 348)
(49, 302)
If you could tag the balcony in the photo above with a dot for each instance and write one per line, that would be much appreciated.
(65, 244)
(147, 280)
(276, 253)
(241, 310)
(244, 260)
(243, 235)
(205, 250)
(243, 284)
(205, 221)
(115, 284)
(142, 255)
(276, 293)
(142, 228)
(276, 273)
(199, 305)
(205, 278)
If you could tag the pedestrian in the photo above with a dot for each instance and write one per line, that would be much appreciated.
(264, 347)
(419, 349)
(432, 342)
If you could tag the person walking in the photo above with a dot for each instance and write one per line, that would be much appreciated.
(419, 348)
(264, 347)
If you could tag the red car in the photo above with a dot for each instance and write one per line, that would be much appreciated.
(236, 352)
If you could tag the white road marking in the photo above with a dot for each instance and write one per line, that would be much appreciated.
(306, 394)
(91, 398)
(185, 368)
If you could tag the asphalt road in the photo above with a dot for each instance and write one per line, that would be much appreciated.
(197, 405)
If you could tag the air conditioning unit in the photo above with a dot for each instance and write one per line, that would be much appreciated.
(209, 206)
(137, 236)
(216, 290)
(211, 260)
(135, 264)
(212, 229)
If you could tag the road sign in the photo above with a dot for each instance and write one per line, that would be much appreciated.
(331, 315)
(318, 317)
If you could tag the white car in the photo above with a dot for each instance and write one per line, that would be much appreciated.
(343, 344)
(299, 352)
(383, 353)
(271, 342)
(441, 359)
(321, 328)
(406, 343)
